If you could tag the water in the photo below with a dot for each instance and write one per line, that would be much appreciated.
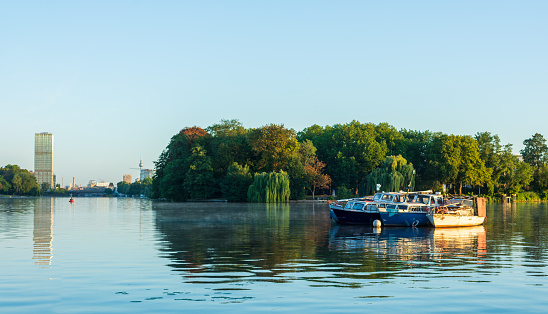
(130, 255)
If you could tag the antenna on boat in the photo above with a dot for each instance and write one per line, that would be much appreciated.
(411, 181)
(409, 186)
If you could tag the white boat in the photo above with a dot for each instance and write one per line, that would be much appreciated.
(459, 212)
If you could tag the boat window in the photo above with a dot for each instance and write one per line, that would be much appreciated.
(423, 199)
(411, 198)
(371, 207)
(377, 197)
(402, 206)
(390, 206)
(349, 205)
(358, 206)
(381, 205)
(387, 197)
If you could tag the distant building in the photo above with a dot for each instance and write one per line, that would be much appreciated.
(43, 158)
(146, 173)
(127, 178)
(102, 184)
(520, 157)
(92, 183)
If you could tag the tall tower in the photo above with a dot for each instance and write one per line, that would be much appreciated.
(43, 158)
(141, 165)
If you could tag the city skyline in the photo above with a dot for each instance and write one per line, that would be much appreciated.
(109, 78)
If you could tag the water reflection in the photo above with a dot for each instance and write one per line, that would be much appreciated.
(43, 232)
(235, 244)
(464, 239)
(397, 243)
(410, 244)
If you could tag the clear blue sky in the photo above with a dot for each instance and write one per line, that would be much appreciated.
(109, 77)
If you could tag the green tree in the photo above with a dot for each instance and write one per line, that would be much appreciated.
(535, 150)
(299, 177)
(272, 146)
(443, 155)
(146, 187)
(235, 184)
(21, 181)
(472, 170)
(228, 145)
(535, 153)
(198, 181)
(350, 151)
(122, 187)
(520, 177)
(395, 174)
(134, 189)
(391, 137)
(4, 185)
(455, 159)
(414, 147)
(270, 187)
(173, 164)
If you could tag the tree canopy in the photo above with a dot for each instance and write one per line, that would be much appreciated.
(17, 181)
(225, 159)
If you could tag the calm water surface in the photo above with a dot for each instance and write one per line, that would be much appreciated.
(130, 255)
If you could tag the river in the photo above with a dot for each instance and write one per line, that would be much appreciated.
(113, 255)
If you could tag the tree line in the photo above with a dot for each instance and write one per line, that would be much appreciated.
(17, 181)
(136, 188)
(228, 161)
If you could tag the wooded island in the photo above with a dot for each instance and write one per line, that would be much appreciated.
(273, 163)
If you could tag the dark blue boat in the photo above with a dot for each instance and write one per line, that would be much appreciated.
(404, 215)
(413, 212)
(361, 211)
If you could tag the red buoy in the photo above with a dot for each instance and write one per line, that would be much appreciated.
(71, 200)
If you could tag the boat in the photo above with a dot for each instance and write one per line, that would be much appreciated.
(459, 211)
(361, 210)
(411, 211)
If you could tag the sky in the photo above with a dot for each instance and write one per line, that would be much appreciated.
(115, 80)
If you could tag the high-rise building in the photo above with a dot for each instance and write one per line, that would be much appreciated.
(43, 158)
(127, 178)
(146, 173)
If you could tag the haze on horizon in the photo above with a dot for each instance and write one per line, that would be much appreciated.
(109, 78)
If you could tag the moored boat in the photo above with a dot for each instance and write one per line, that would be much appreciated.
(412, 211)
(459, 212)
(362, 210)
(353, 211)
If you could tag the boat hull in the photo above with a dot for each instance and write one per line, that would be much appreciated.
(395, 219)
(449, 220)
(353, 217)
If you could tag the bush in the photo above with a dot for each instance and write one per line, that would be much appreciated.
(528, 196)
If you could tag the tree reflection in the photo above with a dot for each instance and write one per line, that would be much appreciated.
(280, 242)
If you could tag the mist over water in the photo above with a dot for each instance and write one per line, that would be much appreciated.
(121, 255)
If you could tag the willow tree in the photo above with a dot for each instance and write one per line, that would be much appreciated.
(393, 175)
(272, 187)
